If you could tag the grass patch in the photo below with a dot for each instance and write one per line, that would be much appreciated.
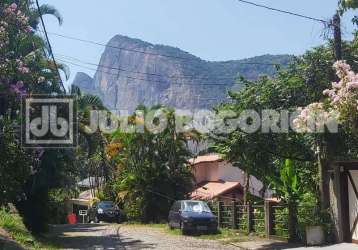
(223, 235)
(13, 224)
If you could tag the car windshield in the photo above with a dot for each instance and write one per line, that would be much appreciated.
(196, 206)
(106, 204)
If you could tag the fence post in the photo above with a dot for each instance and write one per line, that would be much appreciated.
(219, 213)
(249, 218)
(269, 219)
(234, 215)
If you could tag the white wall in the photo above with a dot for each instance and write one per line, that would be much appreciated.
(225, 171)
(206, 172)
(353, 203)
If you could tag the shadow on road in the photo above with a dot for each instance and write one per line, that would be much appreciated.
(93, 236)
(265, 244)
(129, 243)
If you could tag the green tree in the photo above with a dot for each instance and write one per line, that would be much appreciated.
(151, 169)
(287, 187)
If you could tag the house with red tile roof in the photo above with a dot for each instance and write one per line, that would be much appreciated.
(217, 179)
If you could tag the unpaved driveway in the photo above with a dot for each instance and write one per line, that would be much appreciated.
(109, 236)
(86, 236)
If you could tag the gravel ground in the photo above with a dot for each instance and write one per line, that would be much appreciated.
(137, 237)
(132, 237)
(86, 236)
(109, 236)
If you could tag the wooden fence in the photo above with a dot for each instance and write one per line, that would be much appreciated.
(269, 219)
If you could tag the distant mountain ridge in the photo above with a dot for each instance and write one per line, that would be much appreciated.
(137, 74)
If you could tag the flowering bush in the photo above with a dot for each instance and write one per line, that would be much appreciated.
(341, 106)
(22, 69)
(343, 97)
(14, 27)
(314, 118)
(22, 64)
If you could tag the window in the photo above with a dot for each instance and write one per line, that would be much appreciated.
(106, 204)
(196, 206)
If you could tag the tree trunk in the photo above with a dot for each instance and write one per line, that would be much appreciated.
(324, 179)
(292, 221)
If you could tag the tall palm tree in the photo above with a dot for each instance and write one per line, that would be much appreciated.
(95, 141)
(45, 9)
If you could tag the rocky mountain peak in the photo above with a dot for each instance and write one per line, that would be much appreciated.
(133, 72)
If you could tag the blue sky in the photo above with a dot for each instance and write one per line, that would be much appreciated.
(210, 29)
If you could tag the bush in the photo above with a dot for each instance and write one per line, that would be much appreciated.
(13, 224)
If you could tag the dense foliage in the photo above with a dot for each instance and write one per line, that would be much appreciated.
(145, 171)
(305, 86)
(33, 178)
(151, 169)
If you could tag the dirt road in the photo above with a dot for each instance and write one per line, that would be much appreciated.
(109, 236)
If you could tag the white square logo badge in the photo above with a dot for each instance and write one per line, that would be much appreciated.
(49, 122)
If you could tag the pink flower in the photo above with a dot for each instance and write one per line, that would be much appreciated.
(29, 29)
(305, 113)
(23, 69)
(13, 6)
(336, 85)
(18, 88)
(336, 99)
(22, 18)
(328, 92)
(352, 85)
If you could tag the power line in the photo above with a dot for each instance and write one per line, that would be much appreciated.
(146, 73)
(152, 53)
(49, 45)
(284, 11)
(140, 79)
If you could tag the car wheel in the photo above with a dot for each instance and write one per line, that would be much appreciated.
(184, 231)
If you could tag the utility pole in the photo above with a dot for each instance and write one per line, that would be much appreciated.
(336, 23)
(323, 145)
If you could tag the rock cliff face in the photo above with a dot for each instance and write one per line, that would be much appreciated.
(138, 74)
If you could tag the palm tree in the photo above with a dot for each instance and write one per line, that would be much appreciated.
(95, 142)
(45, 9)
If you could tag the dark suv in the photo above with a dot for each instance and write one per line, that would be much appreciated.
(104, 211)
(192, 216)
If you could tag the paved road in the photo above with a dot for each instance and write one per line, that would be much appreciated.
(109, 236)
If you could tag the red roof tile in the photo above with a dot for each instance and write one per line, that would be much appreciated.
(206, 158)
(210, 190)
(86, 195)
